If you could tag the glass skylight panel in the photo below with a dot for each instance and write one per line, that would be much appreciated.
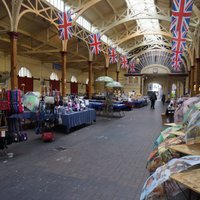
(146, 7)
(104, 38)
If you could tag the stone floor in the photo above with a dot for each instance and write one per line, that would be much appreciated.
(104, 161)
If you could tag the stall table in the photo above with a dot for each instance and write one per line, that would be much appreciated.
(24, 115)
(78, 118)
(108, 110)
(193, 149)
(177, 133)
(189, 178)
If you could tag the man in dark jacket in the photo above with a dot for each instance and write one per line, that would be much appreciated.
(153, 99)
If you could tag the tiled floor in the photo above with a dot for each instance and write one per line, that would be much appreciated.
(104, 161)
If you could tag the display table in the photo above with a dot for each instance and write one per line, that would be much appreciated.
(139, 103)
(78, 118)
(177, 133)
(24, 115)
(115, 107)
(171, 124)
(193, 149)
(189, 178)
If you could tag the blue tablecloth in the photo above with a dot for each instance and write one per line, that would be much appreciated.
(139, 103)
(119, 107)
(24, 115)
(96, 105)
(78, 118)
(99, 106)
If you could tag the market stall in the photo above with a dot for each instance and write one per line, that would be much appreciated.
(175, 143)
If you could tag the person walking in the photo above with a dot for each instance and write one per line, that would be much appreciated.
(163, 99)
(153, 99)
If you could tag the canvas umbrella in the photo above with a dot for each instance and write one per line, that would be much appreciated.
(114, 84)
(31, 101)
(104, 79)
(163, 173)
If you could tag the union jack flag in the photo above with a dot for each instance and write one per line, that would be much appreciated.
(124, 62)
(95, 43)
(65, 25)
(181, 12)
(132, 67)
(176, 55)
(113, 55)
(176, 65)
(176, 60)
(179, 41)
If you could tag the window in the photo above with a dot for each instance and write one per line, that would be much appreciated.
(74, 79)
(54, 76)
(24, 72)
(87, 81)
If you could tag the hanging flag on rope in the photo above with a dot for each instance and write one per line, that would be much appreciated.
(176, 60)
(65, 25)
(124, 62)
(113, 55)
(131, 67)
(179, 41)
(181, 13)
(95, 43)
(176, 65)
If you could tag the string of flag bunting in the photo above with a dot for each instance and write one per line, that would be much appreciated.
(65, 33)
(180, 20)
(65, 25)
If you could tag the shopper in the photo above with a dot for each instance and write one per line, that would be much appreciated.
(153, 99)
(163, 99)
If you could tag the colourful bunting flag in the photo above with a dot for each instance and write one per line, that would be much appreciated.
(124, 62)
(181, 13)
(95, 43)
(113, 55)
(65, 25)
(132, 67)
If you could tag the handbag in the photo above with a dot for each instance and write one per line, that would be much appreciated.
(4, 105)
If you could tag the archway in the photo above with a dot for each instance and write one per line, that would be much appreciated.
(155, 87)
(54, 82)
(25, 80)
(74, 85)
(174, 90)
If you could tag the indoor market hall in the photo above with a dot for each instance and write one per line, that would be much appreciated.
(105, 160)
(99, 99)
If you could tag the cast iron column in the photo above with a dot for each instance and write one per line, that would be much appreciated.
(13, 67)
(90, 79)
(117, 76)
(192, 81)
(106, 71)
(64, 74)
